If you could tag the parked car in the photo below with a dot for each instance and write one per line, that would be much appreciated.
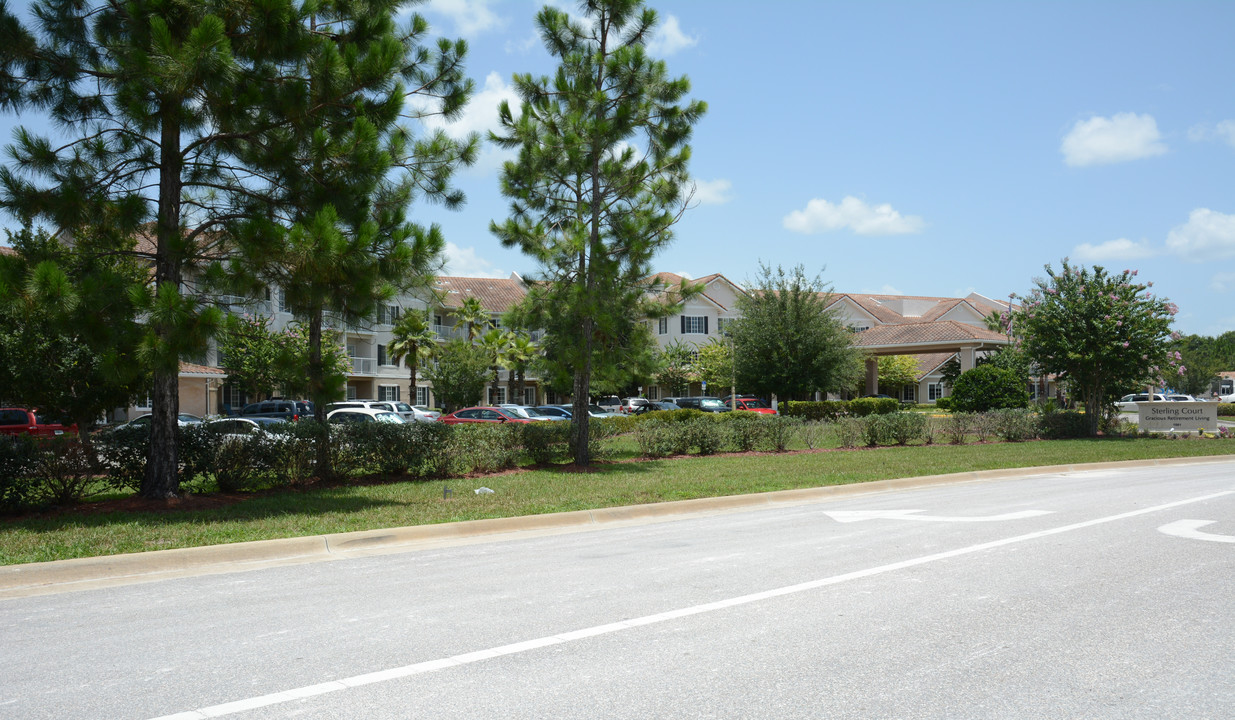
(555, 411)
(482, 415)
(1128, 403)
(1181, 397)
(529, 413)
(354, 415)
(609, 403)
(144, 421)
(705, 403)
(409, 413)
(597, 411)
(635, 405)
(654, 405)
(242, 427)
(283, 409)
(749, 402)
(20, 421)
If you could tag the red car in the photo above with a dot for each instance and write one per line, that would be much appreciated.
(481, 415)
(753, 404)
(19, 421)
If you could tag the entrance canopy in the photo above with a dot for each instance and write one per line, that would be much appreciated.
(948, 336)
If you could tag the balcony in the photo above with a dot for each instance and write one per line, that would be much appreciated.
(450, 332)
(362, 365)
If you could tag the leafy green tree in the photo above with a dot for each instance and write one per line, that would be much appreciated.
(414, 340)
(1100, 332)
(458, 374)
(596, 187)
(676, 368)
(897, 371)
(69, 337)
(1203, 358)
(714, 364)
(249, 352)
(786, 342)
(989, 387)
(296, 351)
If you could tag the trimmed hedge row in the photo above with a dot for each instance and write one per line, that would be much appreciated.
(832, 410)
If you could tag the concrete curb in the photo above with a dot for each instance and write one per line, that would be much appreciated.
(110, 570)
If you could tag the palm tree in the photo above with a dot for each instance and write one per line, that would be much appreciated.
(495, 343)
(472, 313)
(523, 350)
(413, 339)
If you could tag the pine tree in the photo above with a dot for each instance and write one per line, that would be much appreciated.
(597, 185)
(155, 96)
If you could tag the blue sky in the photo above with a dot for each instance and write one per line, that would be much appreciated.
(919, 148)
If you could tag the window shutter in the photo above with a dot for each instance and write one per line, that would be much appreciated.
(705, 324)
(683, 324)
(381, 354)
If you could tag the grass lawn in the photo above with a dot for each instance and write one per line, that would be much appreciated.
(312, 511)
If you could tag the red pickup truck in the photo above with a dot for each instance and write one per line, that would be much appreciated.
(19, 421)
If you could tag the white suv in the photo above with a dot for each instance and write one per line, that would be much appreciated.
(407, 412)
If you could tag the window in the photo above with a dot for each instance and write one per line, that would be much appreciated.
(497, 395)
(388, 393)
(934, 391)
(694, 324)
(381, 354)
(143, 403)
(664, 326)
(654, 392)
(283, 300)
(859, 328)
(422, 397)
(529, 396)
(351, 392)
(909, 393)
(495, 321)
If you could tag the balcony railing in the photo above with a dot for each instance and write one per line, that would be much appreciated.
(362, 365)
(450, 332)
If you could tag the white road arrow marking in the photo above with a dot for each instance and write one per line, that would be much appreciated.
(1188, 529)
(848, 516)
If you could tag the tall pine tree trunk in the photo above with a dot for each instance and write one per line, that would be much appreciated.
(317, 386)
(162, 465)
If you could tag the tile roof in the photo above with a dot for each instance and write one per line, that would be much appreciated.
(929, 362)
(6, 250)
(926, 333)
(195, 370)
(496, 295)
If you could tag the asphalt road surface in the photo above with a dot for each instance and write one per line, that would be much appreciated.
(1101, 594)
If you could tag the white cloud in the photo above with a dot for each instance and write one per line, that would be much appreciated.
(1206, 237)
(713, 192)
(1223, 131)
(1121, 249)
(471, 17)
(524, 46)
(480, 115)
(464, 262)
(821, 216)
(1223, 282)
(1122, 137)
(669, 38)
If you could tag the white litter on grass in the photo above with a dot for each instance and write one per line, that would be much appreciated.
(484, 491)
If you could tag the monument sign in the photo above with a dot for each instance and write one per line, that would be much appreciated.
(1177, 416)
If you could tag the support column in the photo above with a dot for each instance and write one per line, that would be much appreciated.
(872, 375)
(968, 355)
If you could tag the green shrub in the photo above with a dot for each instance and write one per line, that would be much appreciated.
(828, 410)
(659, 437)
(548, 442)
(863, 407)
(18, 487)
(777, 431)
(482, 447)
(743, 431)
(812, 433)
(988, 387)
(1062, 424)
(706, 434)
(944, 403)
(1226, 409)
(983, 426)
(956, 427)
(122, 452)
(901, 428)
(1015, 424)
(850, 431)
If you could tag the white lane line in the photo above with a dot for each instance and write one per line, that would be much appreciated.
(232, 708)
(1191, 529)
(848, 516)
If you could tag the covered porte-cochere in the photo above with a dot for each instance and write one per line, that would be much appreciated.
(948, 336)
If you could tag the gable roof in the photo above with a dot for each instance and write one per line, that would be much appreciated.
(930, 362)
(927, 333)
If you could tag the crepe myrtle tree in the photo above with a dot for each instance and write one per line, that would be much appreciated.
(1100, 332)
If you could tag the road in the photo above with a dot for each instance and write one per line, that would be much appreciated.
(1100, 594)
